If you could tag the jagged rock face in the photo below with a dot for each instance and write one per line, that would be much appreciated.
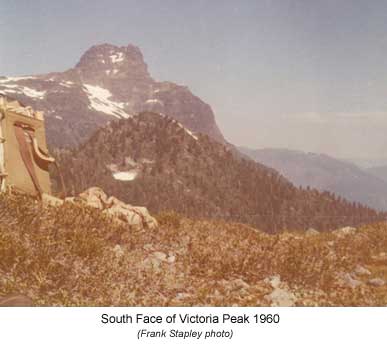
(113, 62)
(122, 71)
(108, 82)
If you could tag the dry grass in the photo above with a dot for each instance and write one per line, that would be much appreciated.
(74, 256)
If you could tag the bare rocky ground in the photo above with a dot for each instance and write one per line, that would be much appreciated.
(74, 255)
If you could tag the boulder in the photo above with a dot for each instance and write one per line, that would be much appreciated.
(118, 251)
(376, 282)
(311, 232)
(50, 200)
(360, 270)
(346, 279)
(171, 259)
(160, 256)
(94, 197)
(347, 230)
(137, 217)
(281, 298)
(274, 281)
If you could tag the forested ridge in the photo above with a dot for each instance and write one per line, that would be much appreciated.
(198, 177)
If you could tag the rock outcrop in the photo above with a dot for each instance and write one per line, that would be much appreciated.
(135, 216)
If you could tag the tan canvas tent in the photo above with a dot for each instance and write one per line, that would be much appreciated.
(24, 159)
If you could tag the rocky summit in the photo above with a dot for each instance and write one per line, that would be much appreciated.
(108, 82)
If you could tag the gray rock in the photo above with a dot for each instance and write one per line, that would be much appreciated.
(148, 246)
(346, 279)
(182, 295)
(160, 256)
(360, 270)
(281, 298)
(311, 232)
(240, 284)
(118, 251)
(376, 282)
(274, 281)
(347, 230)
(171, 259)
(137, 217)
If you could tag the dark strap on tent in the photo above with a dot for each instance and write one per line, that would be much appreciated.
(20, 131)
(26, 155)
(44, 156)
(64, 192)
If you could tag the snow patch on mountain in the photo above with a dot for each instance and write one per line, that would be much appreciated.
(125, 175)
(152, 101)
(118, 57)
(66, 83)
(187, 130)
(13, 88)
(113, 71)
(13, 79)
(99, 99)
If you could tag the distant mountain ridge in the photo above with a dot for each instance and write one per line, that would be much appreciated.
(109, 82)
(379, 171)
(153, 160)
(325, 173)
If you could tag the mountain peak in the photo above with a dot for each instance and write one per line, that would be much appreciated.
(110, 61)
(108, 81)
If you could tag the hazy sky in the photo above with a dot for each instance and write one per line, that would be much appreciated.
(302, 74)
